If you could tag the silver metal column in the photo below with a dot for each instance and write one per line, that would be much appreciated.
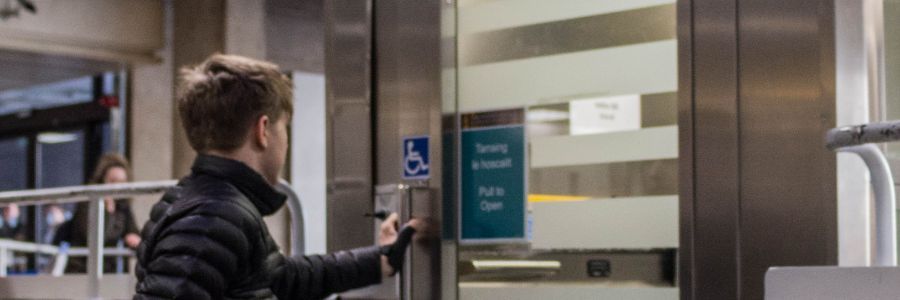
(757, 187)
(408, 102)
(298, 242)
(348, 41)
(4, 261)
(95, 247)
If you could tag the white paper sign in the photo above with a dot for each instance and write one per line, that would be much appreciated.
(605, 114)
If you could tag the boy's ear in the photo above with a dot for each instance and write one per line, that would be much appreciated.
(260, 132)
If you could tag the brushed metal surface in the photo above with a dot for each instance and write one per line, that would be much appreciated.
(757, 185)
(295, 34)
(686, 157)
(408, 102)
(349, 138)
(787, 89)
(716, 170)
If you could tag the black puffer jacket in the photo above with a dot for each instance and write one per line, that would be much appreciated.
(206, 240)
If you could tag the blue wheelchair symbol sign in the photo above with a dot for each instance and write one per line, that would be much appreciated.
(415, 157)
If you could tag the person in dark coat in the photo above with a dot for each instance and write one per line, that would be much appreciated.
(11, 226)
(119, 225)
(206, 238)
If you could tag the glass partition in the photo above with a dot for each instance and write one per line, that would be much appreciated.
(595, 83)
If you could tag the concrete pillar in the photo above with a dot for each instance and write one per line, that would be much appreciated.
(199, 30)
(152, 119)
(245, 31)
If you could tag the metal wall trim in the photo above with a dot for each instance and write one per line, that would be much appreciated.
(716, 171)
(685, 31)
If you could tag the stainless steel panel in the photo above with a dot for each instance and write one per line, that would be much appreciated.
(349, 138)
(408, 82)
(686, 157)
(757, 185)
(714, 190)
(295, 34)
(788, 197)
(408, 87)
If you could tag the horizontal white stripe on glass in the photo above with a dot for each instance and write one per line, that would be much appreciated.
(478, 16)
(619, 223)
(635, 69)
(653, 143)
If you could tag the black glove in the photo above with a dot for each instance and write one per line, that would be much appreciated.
(395, 252)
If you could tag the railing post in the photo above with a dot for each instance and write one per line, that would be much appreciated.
(4, 261)
(95, 247)
(885, 206)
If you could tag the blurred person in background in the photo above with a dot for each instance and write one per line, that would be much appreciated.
(120, 225)
(10, 225)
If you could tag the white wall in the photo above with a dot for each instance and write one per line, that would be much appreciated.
(852, 102)
(308, 157)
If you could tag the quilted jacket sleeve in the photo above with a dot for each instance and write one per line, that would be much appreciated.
(193, 256)
(317, 276)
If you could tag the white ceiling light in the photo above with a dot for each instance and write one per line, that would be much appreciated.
(56, 137)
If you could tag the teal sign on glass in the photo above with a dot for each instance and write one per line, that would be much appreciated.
(493, 183)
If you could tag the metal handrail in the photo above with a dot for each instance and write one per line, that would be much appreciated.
(857, 139)
(83, 193)
(8, 245)
(879, 132)
(27, 247)
(298, 244)
(96, 193)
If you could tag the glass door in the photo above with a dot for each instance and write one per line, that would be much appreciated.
(14, 176)
(567, 116)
